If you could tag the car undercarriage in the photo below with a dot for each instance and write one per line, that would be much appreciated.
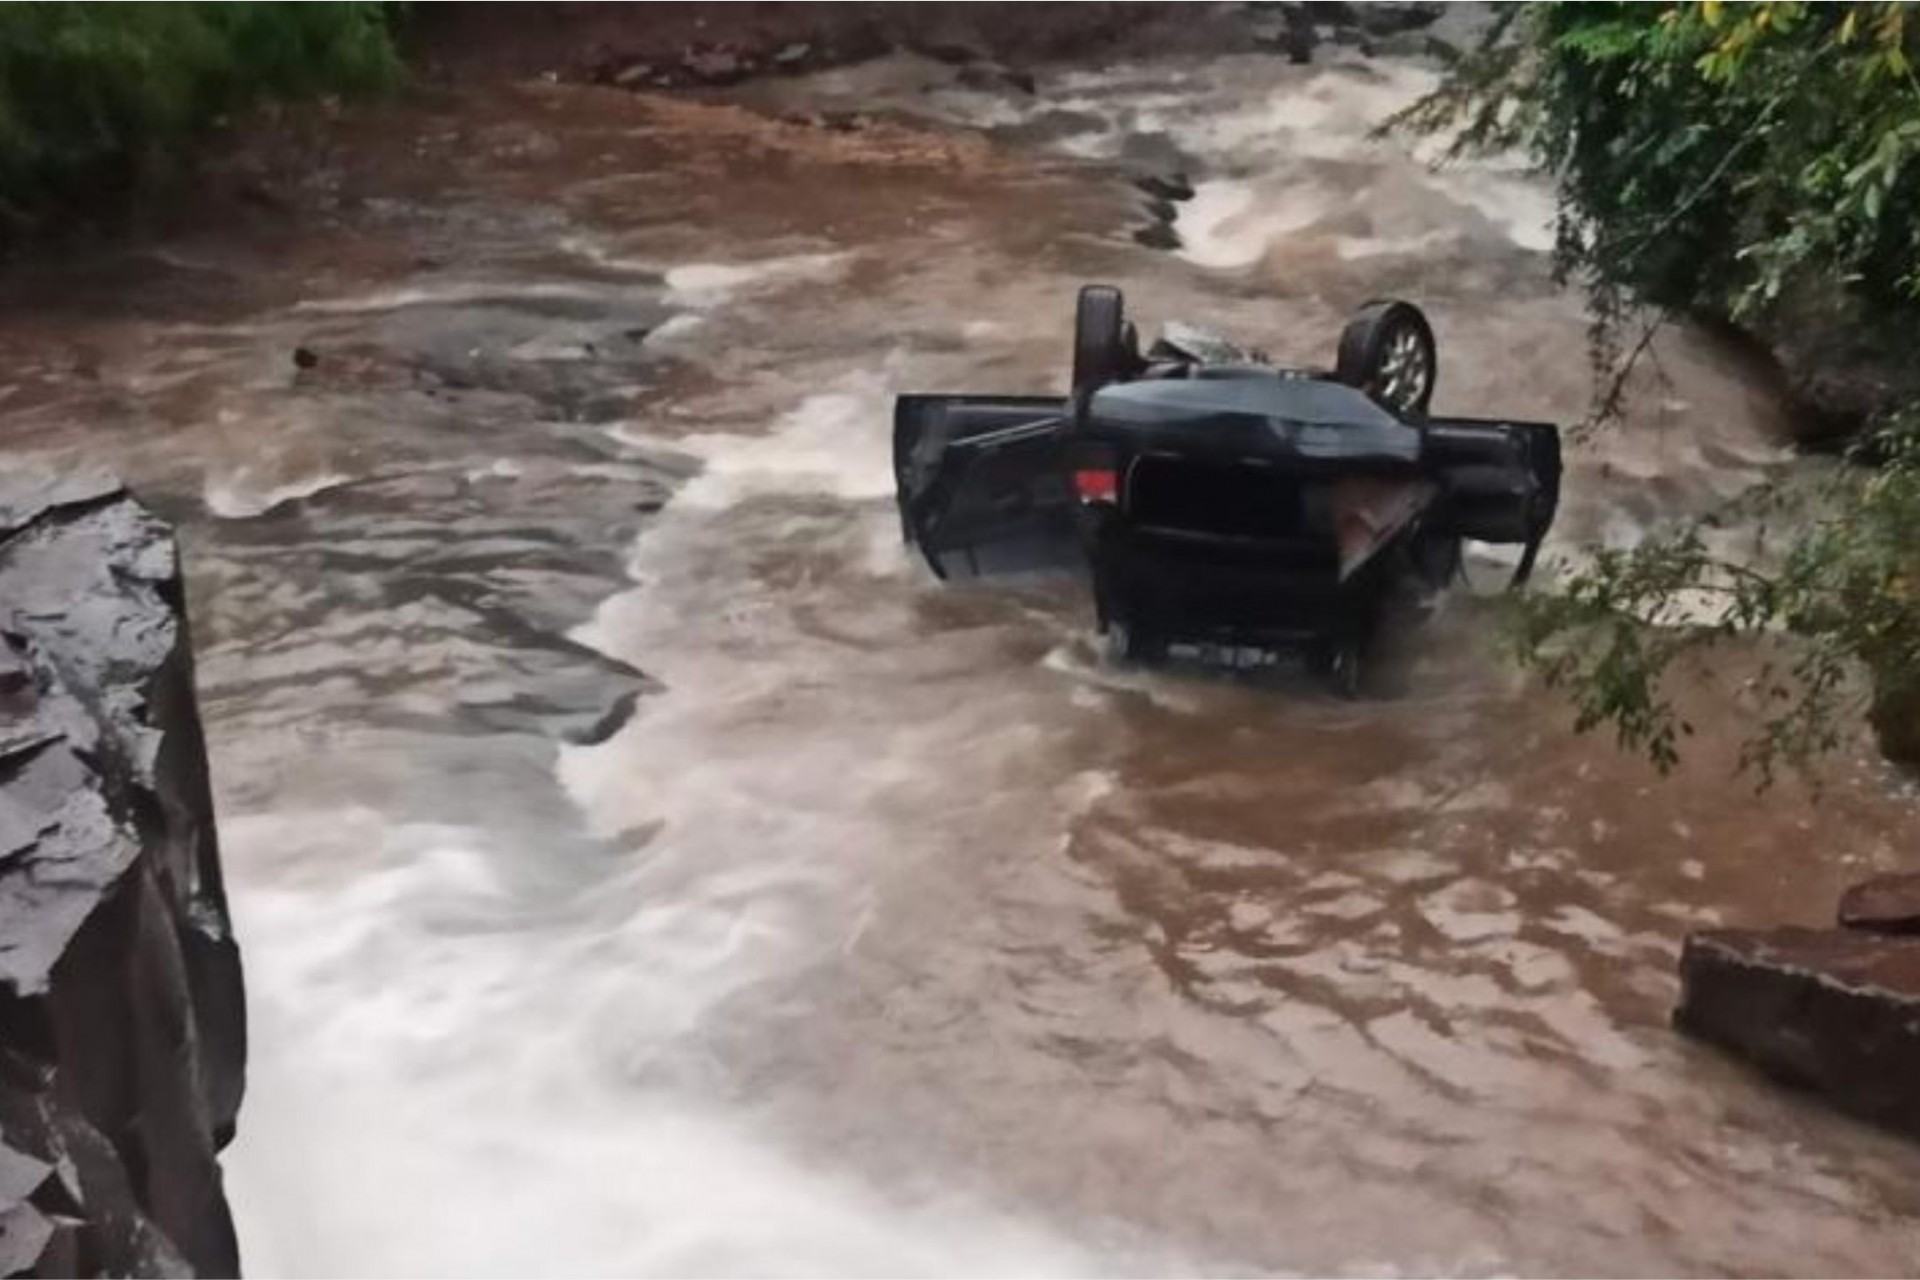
(1213, 497)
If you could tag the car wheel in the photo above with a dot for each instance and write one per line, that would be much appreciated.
(1099, 338)
(1344, 671)
(1130, 644)
(1428, 566)
(1417, 574)
(1387, 351)
(1337, 661)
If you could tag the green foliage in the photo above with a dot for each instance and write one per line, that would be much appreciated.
(1728, 160)
(1709, 156)
(1829, 565)
(96, 96)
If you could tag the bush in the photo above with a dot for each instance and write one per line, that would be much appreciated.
(1831, 566)
(1735, 161)
(97, 97)
(1708, 155)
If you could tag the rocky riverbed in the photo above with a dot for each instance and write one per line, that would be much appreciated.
(644, 868)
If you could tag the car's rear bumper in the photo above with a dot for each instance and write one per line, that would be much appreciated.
(1180, 584)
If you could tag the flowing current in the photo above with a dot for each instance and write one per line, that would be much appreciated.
(894, 932)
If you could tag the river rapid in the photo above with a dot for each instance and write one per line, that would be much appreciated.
(893, 931)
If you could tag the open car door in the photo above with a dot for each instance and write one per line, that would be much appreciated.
(982, 482)
(1499, 481)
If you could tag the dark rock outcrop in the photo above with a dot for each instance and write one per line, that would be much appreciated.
(1833, 1010)
(1894, 716)
(1295, 34)
(991, 77)
(1885, 904)
(1174, 186)
(717, 65)
(647, 48)
(1842, 369)
(122, 1022)
(1157, 235)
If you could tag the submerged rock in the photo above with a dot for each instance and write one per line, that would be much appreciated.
(1160, 210)
(1293, 34)
(721, 65)
(954, 54)
(1833, 1010)
(991, 77)
(1887, 904)
(122, 1019)
(1174, 186)
(1157, 235)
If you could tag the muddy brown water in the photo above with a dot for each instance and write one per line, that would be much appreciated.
(896, 932)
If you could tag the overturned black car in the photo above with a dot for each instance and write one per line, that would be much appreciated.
(1220, 500)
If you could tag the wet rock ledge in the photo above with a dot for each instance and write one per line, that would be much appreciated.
(122, 1025)
(1832, 1010)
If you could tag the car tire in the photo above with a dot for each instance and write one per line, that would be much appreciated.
(1387, 350)
(1429, 565)
(1131, 645)
(1099, 338)
(1420, 570)
(1338, 661)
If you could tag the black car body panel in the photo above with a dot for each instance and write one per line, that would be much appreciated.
(1253, 413)
(974, 472)
(982, 481)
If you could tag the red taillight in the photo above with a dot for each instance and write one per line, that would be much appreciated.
(1097, 484)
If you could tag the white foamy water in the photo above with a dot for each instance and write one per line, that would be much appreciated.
(1516, 203)
(1228, 225)
(833, 442)
(479, 1093)
(712, 284)
(1291, 157)
(458, 293)
(473, 1056)
(238, 496)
